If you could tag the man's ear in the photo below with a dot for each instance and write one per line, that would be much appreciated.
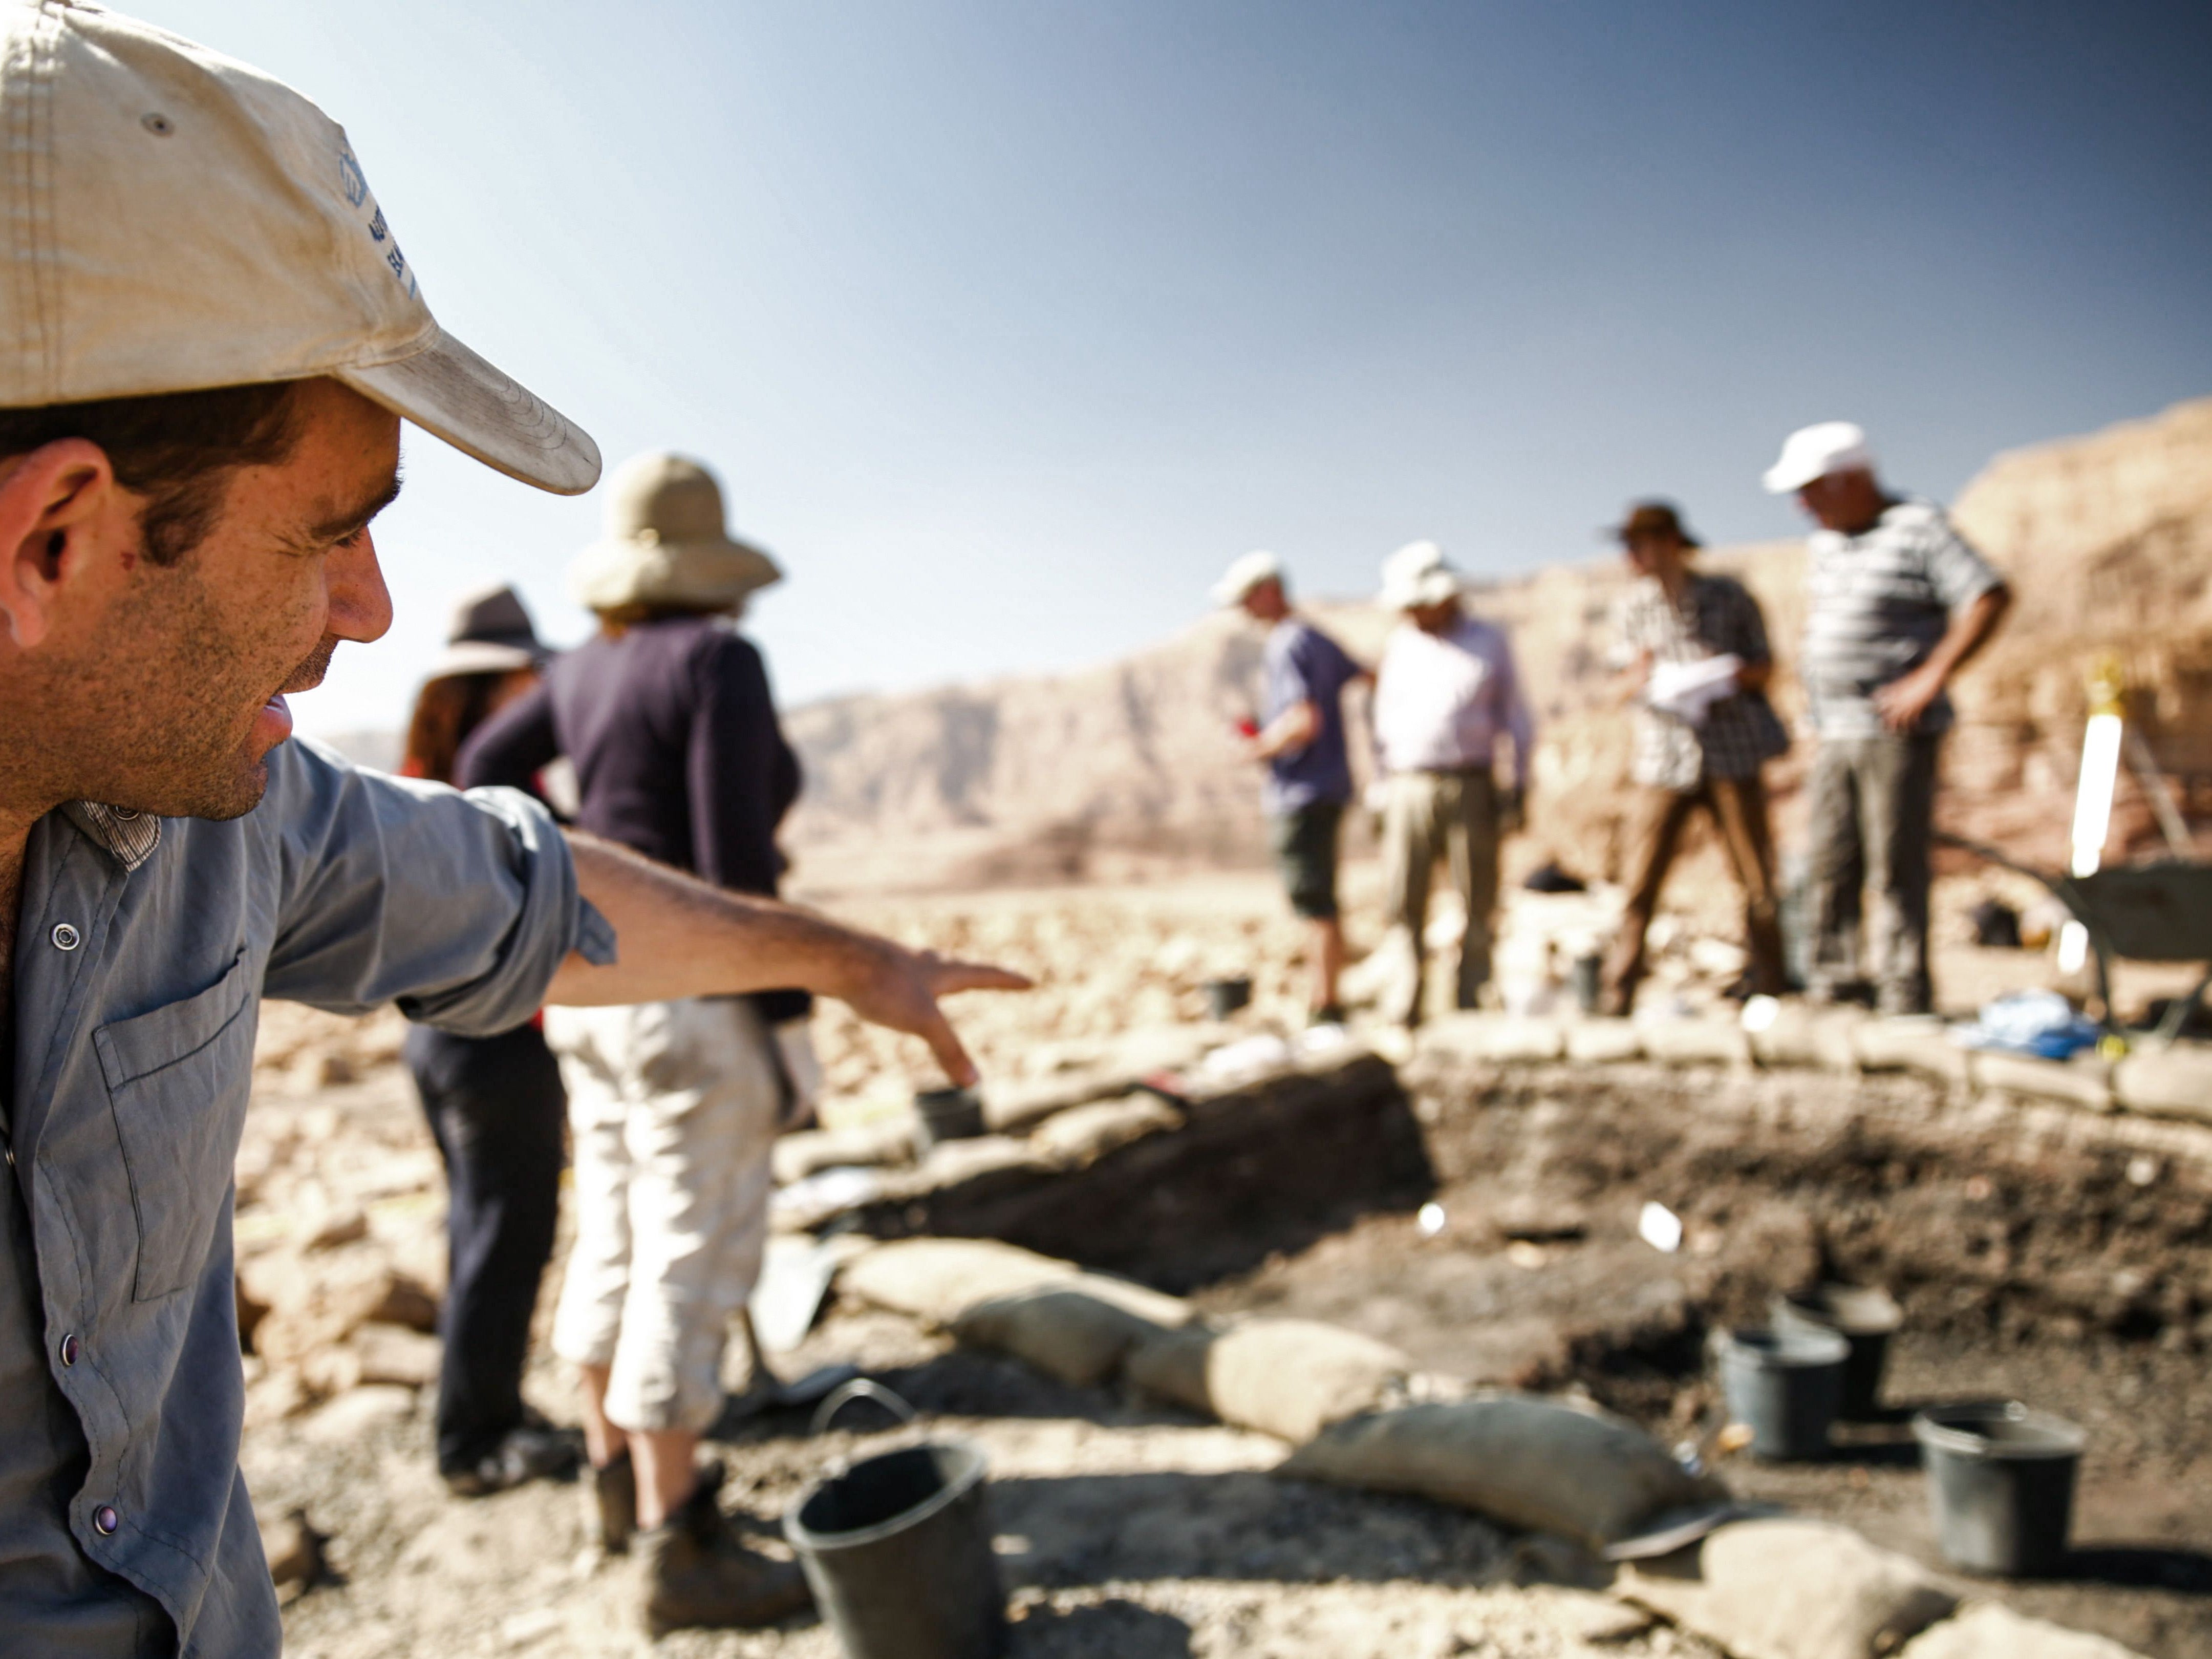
(55, 504)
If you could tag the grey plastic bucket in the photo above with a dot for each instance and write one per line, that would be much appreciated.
(2001, 1484)
(898, 1548)
(947, 1114)
(1864, 1317)
(1224, 997)
(1784, 1385)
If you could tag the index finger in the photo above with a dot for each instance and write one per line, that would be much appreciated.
(944, 1043)
(947, 977)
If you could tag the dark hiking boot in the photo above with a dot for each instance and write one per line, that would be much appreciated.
(531, 1451)
(611, 1505)
(697, 1574)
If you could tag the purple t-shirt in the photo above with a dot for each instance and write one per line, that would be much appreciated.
(1303, 664)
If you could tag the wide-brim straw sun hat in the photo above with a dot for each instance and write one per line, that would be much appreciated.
(664, 543)
(1416, 576)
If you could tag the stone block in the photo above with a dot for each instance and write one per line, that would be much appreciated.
(2175, 1082)
(1987, 1630)
(1791, 1589)
(2081, 1081)
(1494, 1037)
(1603, 1041)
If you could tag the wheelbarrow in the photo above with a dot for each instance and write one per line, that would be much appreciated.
(2157, 912)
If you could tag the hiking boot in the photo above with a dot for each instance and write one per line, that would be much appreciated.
(610, 1504)
(697, 1574)
(531, 1451)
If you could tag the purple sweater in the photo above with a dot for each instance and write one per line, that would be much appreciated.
(673, 734)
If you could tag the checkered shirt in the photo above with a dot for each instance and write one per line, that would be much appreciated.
(1716, 617)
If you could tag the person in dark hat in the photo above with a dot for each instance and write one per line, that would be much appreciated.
(496, 1106)
(1698, 657)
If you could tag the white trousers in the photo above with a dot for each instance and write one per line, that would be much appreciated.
(673, 1106)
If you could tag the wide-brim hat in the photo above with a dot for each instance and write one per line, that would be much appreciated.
(1416, 576)
(1653, 519)
(664, 543)
(490, 633)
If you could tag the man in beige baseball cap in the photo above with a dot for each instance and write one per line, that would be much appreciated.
(208, 340)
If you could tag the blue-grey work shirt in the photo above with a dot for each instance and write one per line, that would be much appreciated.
(142, 951)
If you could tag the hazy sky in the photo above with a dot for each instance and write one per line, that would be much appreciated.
(1006, 324)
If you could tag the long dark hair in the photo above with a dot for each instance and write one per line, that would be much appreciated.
(446, 710)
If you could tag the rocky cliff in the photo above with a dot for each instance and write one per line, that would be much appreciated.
(1114, 770)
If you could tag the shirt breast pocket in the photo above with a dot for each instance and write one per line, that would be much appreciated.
(177, 1081)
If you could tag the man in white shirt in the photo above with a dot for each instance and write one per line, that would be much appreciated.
(1445, 694)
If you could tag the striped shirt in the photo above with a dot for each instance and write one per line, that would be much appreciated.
(1876, 604)
(1718, 617)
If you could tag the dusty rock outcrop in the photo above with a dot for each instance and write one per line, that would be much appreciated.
(1125, 767)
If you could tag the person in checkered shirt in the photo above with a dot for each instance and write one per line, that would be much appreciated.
(1703, 729)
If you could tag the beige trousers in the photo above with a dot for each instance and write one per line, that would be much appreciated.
(674, 1107)
(1452, 816)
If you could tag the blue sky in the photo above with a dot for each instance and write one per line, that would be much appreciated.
(1006, 324)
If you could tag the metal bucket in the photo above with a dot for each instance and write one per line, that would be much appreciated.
(2001, 1484)
(897, 1547)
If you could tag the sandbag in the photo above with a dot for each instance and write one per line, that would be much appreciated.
(1081, 1134)
(938, 1279)
(1078, 1331)
(1792, 1589)
(1288, 1377)
(1527, 1461)
(1986, 1629)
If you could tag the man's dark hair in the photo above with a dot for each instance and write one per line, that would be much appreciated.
(177, 450)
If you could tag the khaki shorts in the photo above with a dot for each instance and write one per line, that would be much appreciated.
(674, 1107)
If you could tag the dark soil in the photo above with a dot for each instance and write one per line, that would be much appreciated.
(2039, 1253)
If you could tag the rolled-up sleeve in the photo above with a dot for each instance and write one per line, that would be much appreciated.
(460, 907)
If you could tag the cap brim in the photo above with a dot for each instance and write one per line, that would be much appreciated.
(452, 393)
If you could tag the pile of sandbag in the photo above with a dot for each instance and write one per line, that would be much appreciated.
(1349, 1403)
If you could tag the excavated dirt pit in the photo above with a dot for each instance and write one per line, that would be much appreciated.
(2039, 1253)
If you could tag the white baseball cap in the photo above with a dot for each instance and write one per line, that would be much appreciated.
(1814, 451)
(1419, 576)
(1244, 574)
(174, 220)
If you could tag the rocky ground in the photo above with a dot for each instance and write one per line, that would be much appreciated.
(1130, 1531)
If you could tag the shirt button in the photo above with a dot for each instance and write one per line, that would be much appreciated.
(107, 1520)
(66, 937)
(68, 1350)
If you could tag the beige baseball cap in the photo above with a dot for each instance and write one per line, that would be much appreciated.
(172, 220)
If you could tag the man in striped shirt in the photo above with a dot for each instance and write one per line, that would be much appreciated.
(1896, 602)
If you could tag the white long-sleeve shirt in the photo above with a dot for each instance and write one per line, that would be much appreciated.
(1442, 700)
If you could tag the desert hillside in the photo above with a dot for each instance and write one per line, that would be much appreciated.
(1125, 768)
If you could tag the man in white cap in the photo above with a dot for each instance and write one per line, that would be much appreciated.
(206, 345)
(674, 1107)
(1300, 740)
(1896, 603)
(1445, 696)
